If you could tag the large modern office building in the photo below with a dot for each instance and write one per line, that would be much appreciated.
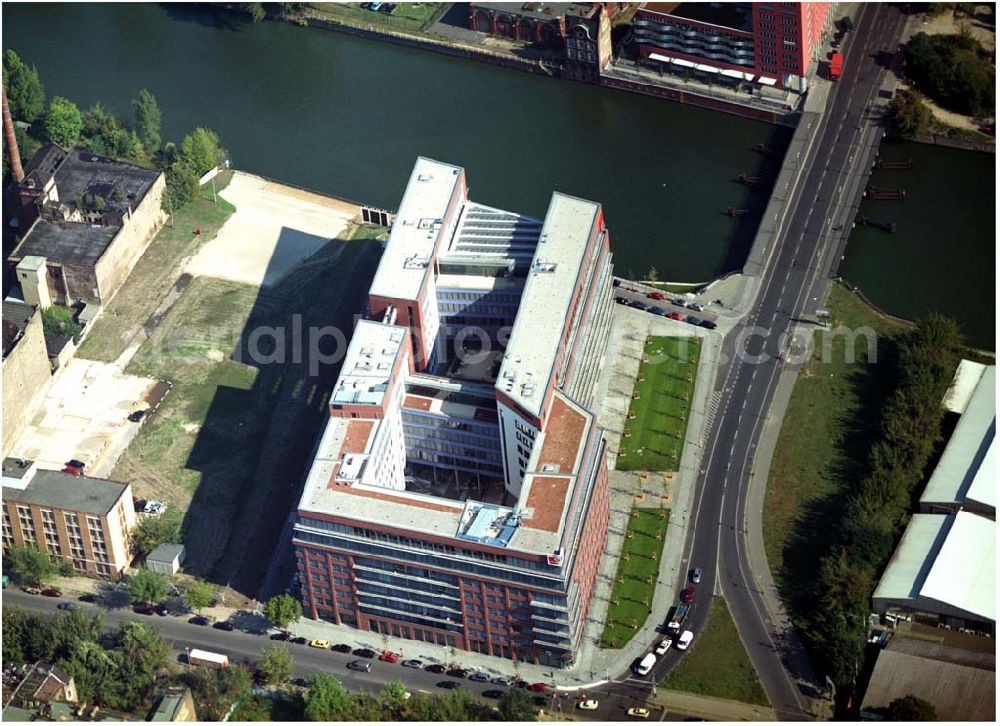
(459, 492)
(769, 44)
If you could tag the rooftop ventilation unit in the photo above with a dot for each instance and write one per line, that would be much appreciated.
(550, 468)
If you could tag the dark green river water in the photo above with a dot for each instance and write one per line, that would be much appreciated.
(348, 116)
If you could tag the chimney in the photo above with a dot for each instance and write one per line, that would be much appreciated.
(8, 131)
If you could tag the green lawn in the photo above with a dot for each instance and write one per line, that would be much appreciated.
(831, 418)
(635, 581)
(717, 664)
(658, 417)
(155, 272)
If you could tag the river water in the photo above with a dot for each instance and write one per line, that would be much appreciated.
(348, 116)
(942, 256)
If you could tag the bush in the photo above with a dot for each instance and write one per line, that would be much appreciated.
(58, 321)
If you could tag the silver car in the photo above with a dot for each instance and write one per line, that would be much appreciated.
(360, 665)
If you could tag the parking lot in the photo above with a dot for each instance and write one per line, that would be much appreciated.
(85, 416)
(665, 304)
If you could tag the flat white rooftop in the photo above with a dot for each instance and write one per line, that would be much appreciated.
(371, 356)
(406, 260)
(967, 449)
(963, 385)
(543, 314)
(948, 558)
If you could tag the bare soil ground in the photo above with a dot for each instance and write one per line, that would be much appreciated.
(274, 229)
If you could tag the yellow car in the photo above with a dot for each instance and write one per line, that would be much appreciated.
(324, 644)
(638, 712)
(589, 705)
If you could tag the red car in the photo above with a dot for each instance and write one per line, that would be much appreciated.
(687, 595)
(74, 470)
(389, 657)
(675, 316)
(538, 687)
(655, 296)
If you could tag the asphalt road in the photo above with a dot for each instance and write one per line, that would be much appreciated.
(244, 647)
(793, 284)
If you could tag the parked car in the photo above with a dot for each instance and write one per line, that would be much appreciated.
(136, 416)
(502, 681)
(480, 677)
(493, 694)
(324, 644)
(657, 311)
(696, 575)
(340, 648)
(663, 647)
(389, 657)
(656, 296)
(199, 620)
(692, 320)
(679, 301)
(621, 300)
(68, 606)
(448, 685)
(74, 470)
(708, 324)
(299, 641)
(458, 672)
(280, 636)
(76, 463)
(162, 610)
(360, 665)
(675, 316)
(636, 712)
(685, 640)
(696, 306)
(687, 595)
(435, 668)
(412, 663)
(87, 597)
(31, 590)
(223, 625)
(538, 688)
(637, 305)
(142, 609)
(365, 653)
(590, 704)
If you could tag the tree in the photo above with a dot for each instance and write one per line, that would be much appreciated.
(256, 708)
(199, 595)
(201, 151)
(30, 566)
(95, 672)
(215, 690)
(652, 275)
(908, 113)
(276, 664)
(63, 122)
(393, 697)
(283, 610)
(146, 586)
(182, 186)
(910, 708)
(516, 705)
(326, 700)
(105, 134)
(153, 531)
(25, 95)
(148, 120)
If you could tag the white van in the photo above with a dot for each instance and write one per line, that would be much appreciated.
(646, 664)
(685, 640)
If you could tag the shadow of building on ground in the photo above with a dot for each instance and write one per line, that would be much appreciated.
(254, 447)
